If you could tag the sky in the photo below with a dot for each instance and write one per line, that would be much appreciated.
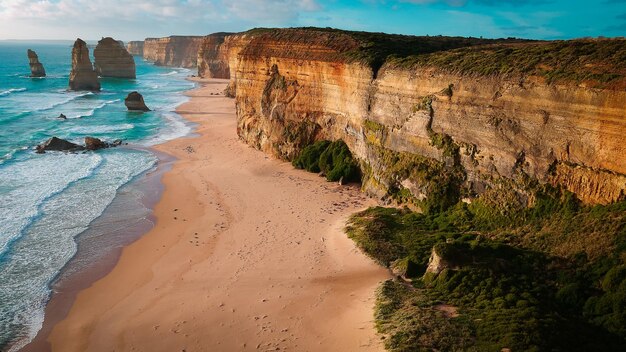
(138, 19)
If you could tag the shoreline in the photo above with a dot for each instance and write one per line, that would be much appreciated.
(80, 272)
(260, 266)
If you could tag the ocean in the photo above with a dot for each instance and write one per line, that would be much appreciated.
(48, 201)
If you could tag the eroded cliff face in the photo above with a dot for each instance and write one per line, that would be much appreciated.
(178, 51)
(112, 60)
(135, 47)
(422, 132)
(213, 57)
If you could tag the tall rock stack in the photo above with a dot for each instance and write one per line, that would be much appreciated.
(82, 76)
(112, 60)
(36, 68)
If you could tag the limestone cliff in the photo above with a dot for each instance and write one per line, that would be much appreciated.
(178, 51)
(112, 60)
(213, 57)
(83, 76)
(447, 117)
(36, 68)
(135, 47)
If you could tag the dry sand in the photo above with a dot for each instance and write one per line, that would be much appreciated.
(246, 254)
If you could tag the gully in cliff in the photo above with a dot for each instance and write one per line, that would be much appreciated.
(83, 76)
(36, 68)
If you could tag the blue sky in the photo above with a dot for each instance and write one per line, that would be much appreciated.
(137, 19)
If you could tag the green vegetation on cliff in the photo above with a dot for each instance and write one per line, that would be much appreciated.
(548, 277)
(600, 62)
(332, 158)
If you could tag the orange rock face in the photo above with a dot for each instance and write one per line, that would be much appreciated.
(296, 87)
(177, 51)
(83, 76)
(213, 57)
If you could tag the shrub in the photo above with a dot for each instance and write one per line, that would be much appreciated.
(334, 159)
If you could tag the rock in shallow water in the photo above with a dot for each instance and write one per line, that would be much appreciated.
(58, 144)
(36, 68)
(134, 102)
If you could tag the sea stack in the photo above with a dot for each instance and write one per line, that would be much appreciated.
(134, 102)
(36, 68)
(112, 60)
(82, 76)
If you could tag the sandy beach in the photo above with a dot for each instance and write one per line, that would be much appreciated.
(247, 253)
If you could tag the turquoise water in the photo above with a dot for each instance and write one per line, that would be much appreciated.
(46, 200)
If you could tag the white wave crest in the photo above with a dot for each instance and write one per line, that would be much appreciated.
(12, 90)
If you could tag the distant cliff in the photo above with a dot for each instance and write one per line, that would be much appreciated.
(135, 47)
(178, 51)
(432, 117)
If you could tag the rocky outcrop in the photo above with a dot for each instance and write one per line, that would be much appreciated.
(437, 263)
(36, 68)
(135, 47)
(112, 60)
(177, 51)
(134, 102)
(421, 128)
(83, 76)
(92, 143)
(58, 144)
(213, 57)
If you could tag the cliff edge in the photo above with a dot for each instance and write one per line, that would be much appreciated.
(436, 120)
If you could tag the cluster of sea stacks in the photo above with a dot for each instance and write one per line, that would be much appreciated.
(110, 60)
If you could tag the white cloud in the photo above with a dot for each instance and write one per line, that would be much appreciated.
(137, 18)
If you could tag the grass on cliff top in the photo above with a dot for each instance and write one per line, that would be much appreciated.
(595, 62)
(553, 278)
(368, 47)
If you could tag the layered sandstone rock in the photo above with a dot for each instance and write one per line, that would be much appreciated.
(135, 47)
(177, 51)
(36, 68)
(83, 76)
(418, 127)
(112, 60)
(213, 57)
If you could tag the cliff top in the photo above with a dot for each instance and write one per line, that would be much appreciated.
(367, 47)
(593, 62)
